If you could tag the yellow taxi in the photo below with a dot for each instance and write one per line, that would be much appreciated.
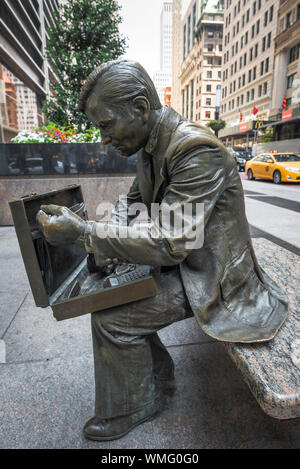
(279, 166)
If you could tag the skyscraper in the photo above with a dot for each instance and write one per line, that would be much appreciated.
(163, 77)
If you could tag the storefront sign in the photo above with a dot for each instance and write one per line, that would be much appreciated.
(287, 114)
(244, 127)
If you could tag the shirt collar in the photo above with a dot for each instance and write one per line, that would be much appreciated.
(153, 137)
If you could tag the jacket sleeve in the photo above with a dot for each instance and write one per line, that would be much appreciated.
(196, 177)
(121, 213)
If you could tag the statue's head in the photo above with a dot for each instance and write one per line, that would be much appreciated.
(119, 98)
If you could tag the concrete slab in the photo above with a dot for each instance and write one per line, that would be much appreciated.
(213, 407)
(45, 405)
(10, 301)
(36, 335)
(13, 275)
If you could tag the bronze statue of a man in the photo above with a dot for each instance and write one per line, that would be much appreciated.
(219, 282)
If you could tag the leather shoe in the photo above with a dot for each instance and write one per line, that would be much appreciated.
(114, 428)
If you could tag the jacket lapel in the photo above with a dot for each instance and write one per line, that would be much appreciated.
(155, 149)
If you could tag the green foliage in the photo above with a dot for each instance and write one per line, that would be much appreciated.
(216, 125)
(86, 34)
(268, 136)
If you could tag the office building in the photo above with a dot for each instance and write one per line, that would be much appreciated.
(248, 58)
(163, 77)
(200, 75)
(22, 48)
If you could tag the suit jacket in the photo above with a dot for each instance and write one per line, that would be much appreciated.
(232, 298)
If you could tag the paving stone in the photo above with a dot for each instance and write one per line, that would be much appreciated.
(10, 301)
(36, 335)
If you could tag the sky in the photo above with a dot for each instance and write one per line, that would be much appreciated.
(141, 25)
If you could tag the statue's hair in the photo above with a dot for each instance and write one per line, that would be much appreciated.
(121, 81)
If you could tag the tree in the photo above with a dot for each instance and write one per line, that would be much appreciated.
(216, 125)
(85, 35)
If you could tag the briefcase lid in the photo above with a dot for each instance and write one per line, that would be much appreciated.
(47, 266)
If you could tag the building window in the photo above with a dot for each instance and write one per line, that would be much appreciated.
(220, 47)
(259, 91)
(257, 26)
(269, 40)
(251, 54)
(255, 50)
(254, 73)
(242, 42)
(209, 60)
(271, 13)
(209, 74)
(252, 94)
(207, 114)
(242, 99)
(246, 38)
(252, 31)
(263, 47)
(267, 65)
(290, 80)
(208, 88)
(249, 76)
(235, 66)
(247, 15)
(210, 34)
(259, 4)
(241, 62)
(294, 53)
(248, 96)
(288, 20)
(208, 102)
(210, 47)
(243, 79)
(265, 87)
(266, 18)
(261, 68)
(245, 58)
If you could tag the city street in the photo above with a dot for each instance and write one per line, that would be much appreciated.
(273, 211)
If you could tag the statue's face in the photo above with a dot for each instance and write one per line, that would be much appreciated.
(122, 127)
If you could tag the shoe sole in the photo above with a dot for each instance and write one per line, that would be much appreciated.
(116, 437)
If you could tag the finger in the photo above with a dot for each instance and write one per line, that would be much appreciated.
(52, 209)
(42, 218)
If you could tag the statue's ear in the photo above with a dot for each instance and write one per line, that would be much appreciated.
(142, 105)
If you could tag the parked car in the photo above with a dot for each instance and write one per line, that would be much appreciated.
(281, 167)
(241, 155)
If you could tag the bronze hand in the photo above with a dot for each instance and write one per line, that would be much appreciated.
(60, 225)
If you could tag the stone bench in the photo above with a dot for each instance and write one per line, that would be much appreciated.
(272, 369)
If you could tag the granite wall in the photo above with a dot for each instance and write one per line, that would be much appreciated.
(95, 190)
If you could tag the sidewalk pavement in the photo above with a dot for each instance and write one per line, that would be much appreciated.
(47, 387)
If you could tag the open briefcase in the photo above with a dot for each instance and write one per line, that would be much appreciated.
(60, 276)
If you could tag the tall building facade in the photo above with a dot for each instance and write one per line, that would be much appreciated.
(200, 74)
(163, 77)
(176, 54)
(22, 47)
(286, 77)
(249, 31)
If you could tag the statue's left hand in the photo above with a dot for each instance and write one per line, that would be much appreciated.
(60, 225)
